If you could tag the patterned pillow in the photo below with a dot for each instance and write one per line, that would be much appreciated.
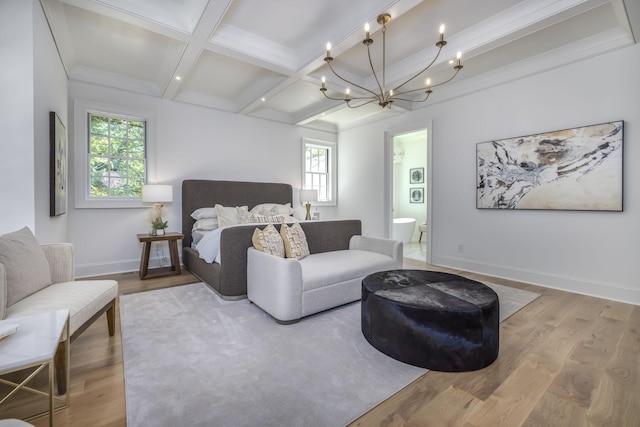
(244, 216)
(268, 241)
(295, 241)
(269, 219)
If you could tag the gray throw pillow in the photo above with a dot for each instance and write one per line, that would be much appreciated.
(26, 265)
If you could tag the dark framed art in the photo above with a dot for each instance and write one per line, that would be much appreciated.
(570, 169)
(416, 195)
(57, 166)
(416, 176)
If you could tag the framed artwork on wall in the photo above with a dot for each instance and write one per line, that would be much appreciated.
(57, 166)
(416, 195)
(570, 169)
(416, 176)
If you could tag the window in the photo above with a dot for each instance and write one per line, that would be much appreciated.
(319, 169)
(114, 154)
(117, 156)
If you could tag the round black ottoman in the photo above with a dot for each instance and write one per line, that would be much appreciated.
(434, 320)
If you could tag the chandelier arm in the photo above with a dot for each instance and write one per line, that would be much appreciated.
(331, 98)
(451, 78)
(358, 106)
(422, 71)
(432, 86)
(373, 70)
(412, 100)
(350, 82)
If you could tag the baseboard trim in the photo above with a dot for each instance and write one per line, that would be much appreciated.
(115, 267)
(610, 291)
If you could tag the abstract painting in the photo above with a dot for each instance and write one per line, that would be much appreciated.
(416, 195)
(571, 169)
(57, 166)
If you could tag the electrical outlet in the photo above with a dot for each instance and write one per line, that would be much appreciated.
(460, 248)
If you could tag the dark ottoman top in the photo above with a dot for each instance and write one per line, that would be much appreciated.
(435, 320)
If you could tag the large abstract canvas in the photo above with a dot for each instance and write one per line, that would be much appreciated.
(571, 169)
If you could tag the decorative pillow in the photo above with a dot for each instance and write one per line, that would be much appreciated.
(269, 219)
(244, 216)
(203, 213)
(272, 209)
(227, 215)
(268, 241)
(295, 241)
(26, 265)
(205, 224)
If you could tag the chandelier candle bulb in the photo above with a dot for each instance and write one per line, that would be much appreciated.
(328, 50)
(441, 32)
(324, 83)
(458, 57)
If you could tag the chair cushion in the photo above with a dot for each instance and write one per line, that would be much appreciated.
(26, 265)
(333, 267)
(83, 298)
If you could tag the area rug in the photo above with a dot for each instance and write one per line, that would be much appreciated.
(192, 358)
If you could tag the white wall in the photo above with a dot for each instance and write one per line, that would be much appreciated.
(191, 142)
(32, 83)
(588, 252)
(16, 116)
(50, 94)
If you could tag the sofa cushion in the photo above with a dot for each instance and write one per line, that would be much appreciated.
(26, 265)
(83, 298)
(295, 241)
(328, 268)
(268, 240)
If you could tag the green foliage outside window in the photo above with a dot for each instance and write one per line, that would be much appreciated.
(117, 157)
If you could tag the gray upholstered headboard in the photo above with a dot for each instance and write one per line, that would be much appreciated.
(198, 193)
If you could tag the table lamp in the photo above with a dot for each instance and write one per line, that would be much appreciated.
(157, 194)
(308, 196)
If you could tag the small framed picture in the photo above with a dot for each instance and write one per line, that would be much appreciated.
(416, 176)
(416, 195)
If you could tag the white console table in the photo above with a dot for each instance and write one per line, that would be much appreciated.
(34, 345)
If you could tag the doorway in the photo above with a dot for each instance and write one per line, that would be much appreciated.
(409, 191)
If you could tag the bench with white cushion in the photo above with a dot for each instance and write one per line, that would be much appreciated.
(289, 289)
(38, 278)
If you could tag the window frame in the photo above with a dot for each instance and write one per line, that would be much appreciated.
(82, 184)
(332, 172)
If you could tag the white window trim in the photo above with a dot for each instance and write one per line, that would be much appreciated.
(333, 168)
(81, 153)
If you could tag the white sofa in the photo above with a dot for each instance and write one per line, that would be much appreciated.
(38, 278)
(289, 289)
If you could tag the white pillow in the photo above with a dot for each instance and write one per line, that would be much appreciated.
(203, 213)
(228, 215)
(205, 224)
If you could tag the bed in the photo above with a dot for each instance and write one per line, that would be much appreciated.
(229, 278)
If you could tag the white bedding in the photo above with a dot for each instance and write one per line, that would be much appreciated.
(209, 246)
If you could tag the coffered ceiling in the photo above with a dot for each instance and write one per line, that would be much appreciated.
(265, 58)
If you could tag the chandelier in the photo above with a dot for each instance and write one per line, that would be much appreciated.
(386, 97)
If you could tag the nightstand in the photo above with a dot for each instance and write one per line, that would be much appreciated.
(147, 239)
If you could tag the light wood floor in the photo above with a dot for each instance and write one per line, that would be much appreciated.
(565, 360)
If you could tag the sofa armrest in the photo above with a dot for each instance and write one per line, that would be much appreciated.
(275, 284)
(389, 247)
(61, 261)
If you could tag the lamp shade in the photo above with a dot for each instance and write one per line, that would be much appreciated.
(308, 196)
(157, 193)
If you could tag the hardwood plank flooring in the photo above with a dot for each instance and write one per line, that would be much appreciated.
(565, 360)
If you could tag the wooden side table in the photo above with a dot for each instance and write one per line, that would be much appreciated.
(147, 239)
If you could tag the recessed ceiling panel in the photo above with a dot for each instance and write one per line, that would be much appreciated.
(123, 49)
(223, 77)
(182, 15)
